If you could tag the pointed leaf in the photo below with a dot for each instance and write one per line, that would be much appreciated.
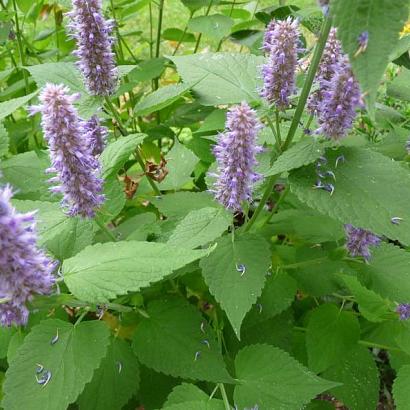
(8, 107)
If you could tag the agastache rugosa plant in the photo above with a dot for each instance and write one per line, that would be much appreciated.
(70, 151)
(25, 269)
(281, 43)
(97, 135)
(92, 34)
(359, 241)
(235, 154)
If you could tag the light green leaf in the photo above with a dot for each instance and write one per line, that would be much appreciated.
(223, 78)
(114, 199)
(4, 141)
(302, 153)
(359, 378)
(114, 382)
(200, 227)
(168, 342)
(181, 163)
(176, 34)
(103, 271)
(194, 5)
(383, 20)
(402, 46)
(400, 86)
(358, 198)
(8, 107)
(235, 273)
(6, 333)
(273, 380)
(71, 362)
(161, 98)
(401, 392)
(215, 26)
(118, 152)
(331, 334)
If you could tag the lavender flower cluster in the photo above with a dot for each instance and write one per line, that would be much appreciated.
(404, 311)
(94, 46)
(359, 241)
(96, 135)
(235, 153)
(71, 144)
(25, 269)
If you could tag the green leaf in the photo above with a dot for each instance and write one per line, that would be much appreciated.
(114, 199)
(8, 107)
(302, 153)
(389, 272)
(357, 372)
(372, 306)
(103, 271)
(180, 164)
(194, 5)
(358, 198)
(6, 333)
(118, 152)
(215, 26)
(222, 78)
(114, 382)
(273, 380)
(401, 392)
(4, 141)
(168, 342)
(402, 46)
(200, 227)
(331, 334)
(237, 290)
(161, 98)
(399, 87)
(383, 20)
(197, 405)
(147, 70)
(176, 34)
(71, 362)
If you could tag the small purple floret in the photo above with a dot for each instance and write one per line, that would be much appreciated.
(359, 240)
(25, 269)
(235, 153)
(97, 135)
(404, 311)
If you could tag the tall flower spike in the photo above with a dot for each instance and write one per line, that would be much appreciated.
(281, 43)
(359, 240)
(235, 153)
(341, 98)
(70, 151)
(25, 269)
(332, 54)
(94, 46)
(97, 135)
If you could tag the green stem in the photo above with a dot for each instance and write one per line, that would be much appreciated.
(81, 317)
(56, 33)
(277, 118)
(104, 228)
(151, 36)
(158, 43)
(224, 396)
(320, 46)
(117, 32)
(277, 137)
(183, 34)
(276, 206)
(200, 34)
(230, 14)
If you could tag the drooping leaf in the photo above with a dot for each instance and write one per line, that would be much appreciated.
(8, 107)
(171, 341)
(331, 334)
(273, 380)
(103, 271)
(114, 382)
(223, 78)
(358, 198)
(71, 362)
(235, 273)
(401, 392)
(215, 26)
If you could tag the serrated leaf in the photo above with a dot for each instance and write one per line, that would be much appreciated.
(4, 141)
(358, 198)
(114, 198)
(223, 78)
(331, 334)
(118, 152)
(114, 382)
(273, 380)
(71, 362)
(161, 98)
(302, 153)
(235, 273)
(401, 392)
(200, 227)
(168, 342)
(215, 26)
(399, 87)
(382, 20)
(103, 271)
(8, 107)
(389, 272)
(359, 378)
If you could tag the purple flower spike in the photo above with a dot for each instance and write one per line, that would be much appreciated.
(404, 311)
(70, 151)
(25, 269)
(97, 135)
(94, 46)
(359, 240)
(341, 98)
(332, 54)
(235, 153)
(282, 45)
